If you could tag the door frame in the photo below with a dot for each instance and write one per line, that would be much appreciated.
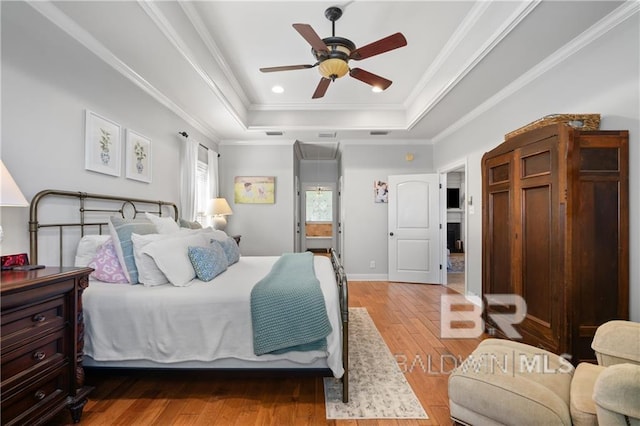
(456, 166)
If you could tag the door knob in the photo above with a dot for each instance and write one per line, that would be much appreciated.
(391, 234)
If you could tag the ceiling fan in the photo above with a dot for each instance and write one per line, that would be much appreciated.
(334, 53)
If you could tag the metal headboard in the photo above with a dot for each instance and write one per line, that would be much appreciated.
(84, 206)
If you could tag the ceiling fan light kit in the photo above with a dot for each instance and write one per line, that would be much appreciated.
(334, 53)
(333, 68)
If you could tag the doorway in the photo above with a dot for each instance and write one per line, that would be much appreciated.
(453, 179)
(319, 213)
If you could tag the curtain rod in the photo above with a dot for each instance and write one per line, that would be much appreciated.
(186, 135)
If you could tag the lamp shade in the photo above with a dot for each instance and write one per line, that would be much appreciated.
(11, 195)
(218, 206)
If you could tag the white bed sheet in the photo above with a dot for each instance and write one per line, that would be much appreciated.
(204, 322)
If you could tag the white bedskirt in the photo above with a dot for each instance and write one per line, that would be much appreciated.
(188, 327)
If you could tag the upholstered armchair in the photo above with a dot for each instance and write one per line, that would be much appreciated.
(505, 382)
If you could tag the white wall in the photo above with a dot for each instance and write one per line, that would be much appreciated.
(266, 229)
(48, 80)
(318, 171)
(364, 229)
(602, 78)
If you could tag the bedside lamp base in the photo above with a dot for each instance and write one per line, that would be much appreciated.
(219, 222)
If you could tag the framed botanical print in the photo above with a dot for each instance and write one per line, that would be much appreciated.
(138, 157)
(102, 144)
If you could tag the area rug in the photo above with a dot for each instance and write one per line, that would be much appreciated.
(377, 386)
(456, 262)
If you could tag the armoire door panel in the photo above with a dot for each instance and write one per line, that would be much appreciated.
(599, 159)
(497, 225)
(536, 164)
(501, 233)
(597, 234)
(499, 174)
(536, 284)
(537, 222)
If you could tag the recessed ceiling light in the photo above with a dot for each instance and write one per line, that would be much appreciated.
(376, 89)
(277, 89)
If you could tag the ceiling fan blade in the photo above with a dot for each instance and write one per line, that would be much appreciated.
(370, 79)
(383, 45)
(309, 34)
(286, 68)
(322, 88)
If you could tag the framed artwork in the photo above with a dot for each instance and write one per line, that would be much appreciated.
(102, 144)
(254, 189)
(138, 157)
(380, 191)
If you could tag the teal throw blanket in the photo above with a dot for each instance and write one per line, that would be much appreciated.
(288, 311)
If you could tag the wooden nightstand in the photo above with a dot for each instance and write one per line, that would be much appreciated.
(42, 342)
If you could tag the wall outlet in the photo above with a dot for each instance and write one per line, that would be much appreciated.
(372, 264)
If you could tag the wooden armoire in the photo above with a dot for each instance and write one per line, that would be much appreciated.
(556, 232)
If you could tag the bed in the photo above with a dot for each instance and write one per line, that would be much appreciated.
(198, 324)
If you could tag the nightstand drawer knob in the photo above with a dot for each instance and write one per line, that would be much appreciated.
(38, 318)
(39, 355)
(39, 395)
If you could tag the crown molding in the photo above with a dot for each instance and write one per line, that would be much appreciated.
(325, 106)
(214, 50)
(520, 13)
(163, 24)
(459, 34)
(602, 27)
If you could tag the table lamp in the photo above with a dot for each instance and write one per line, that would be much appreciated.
(219, 208)
(10, 196)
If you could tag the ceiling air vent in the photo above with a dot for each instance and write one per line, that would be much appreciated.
(378, 132)
(275, 133)
(330, 135)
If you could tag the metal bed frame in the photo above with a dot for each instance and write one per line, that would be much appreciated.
(133, 206)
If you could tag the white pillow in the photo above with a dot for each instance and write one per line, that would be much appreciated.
(216, 234)
(164, 225)
(87, 248)
(172, 257)
(148, 272)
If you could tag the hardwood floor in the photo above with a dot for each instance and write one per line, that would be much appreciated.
(407, 315)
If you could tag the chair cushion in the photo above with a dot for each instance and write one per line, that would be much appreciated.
(617, 342)
(582, 406)
(506, 382)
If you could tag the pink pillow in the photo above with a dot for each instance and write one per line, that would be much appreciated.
(106, 264)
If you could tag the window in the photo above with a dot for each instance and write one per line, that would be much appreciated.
(203, 185)
(202, 191)
(319, 205)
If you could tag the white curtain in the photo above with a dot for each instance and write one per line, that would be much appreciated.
(213, 173)
(188, 170)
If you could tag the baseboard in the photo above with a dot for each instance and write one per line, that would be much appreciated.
(368, 277)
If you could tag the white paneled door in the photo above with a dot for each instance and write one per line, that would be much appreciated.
(413, 230)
